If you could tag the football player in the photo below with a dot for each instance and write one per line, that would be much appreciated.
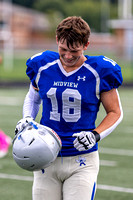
(71, 86)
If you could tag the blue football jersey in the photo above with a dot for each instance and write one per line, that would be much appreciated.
(71, 100)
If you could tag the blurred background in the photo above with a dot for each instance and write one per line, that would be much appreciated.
(28, 27)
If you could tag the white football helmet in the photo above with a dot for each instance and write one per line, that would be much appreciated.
(36, 147)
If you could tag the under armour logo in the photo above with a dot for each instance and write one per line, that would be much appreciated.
(81, 160)
(81, 78)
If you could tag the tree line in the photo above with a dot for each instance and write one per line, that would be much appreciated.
(91, 10)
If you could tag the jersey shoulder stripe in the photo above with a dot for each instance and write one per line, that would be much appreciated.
(108, 70)
(37, 61)
(94, 72)
(43, 68)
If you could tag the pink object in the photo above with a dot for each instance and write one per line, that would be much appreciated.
(5, 142)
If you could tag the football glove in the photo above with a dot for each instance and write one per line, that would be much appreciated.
(23, 123)
(85, 140)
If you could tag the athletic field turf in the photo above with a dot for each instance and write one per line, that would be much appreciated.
(115, 180)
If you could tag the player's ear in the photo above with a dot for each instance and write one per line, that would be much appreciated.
(56, 40)
(86, 45)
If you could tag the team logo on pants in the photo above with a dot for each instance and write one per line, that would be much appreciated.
(81, 160)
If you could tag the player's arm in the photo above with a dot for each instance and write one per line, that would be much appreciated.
(30, 108)
(114, 114)
(31, 103)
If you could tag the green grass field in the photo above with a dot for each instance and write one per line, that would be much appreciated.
(115, 180)
(17, 73)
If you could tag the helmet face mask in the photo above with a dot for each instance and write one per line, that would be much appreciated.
(35, 149)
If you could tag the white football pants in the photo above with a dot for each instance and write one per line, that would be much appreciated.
(68, 178)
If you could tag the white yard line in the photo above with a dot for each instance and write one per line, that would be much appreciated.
(16, 177)
(99, 186)
(108, 163)
(115, 188)
(10, 101)
(119, 152)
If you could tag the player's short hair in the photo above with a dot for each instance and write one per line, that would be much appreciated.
(74, 30)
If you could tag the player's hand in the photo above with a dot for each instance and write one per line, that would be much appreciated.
(23, 123)
(85, 140)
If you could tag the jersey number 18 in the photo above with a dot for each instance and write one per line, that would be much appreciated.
(71, 105)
